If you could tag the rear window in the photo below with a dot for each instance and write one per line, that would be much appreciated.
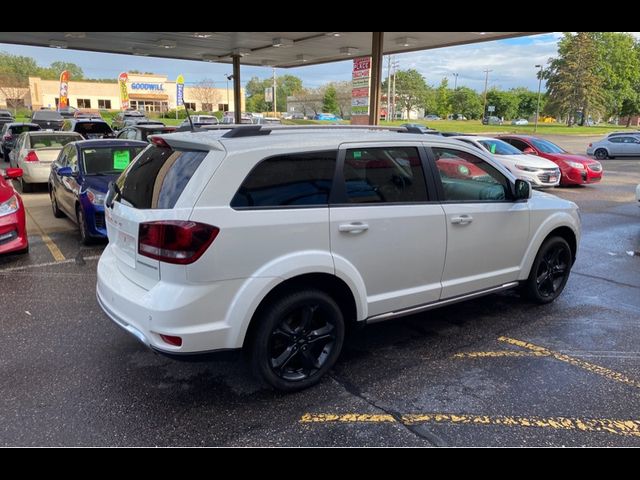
(18, 129)
(92, 128)
(46, 115)
(157, 178)
(52, 141)
(108, 160)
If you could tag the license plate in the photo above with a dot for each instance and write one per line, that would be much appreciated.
(126, 242)
(553, 178)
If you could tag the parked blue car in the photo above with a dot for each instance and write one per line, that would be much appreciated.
(80, 177)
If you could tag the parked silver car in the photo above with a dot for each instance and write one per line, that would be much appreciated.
(615, 146)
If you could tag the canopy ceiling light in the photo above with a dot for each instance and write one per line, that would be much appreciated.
(57, 44)
(203, 34)
(140, 51)
(302, 58)
(75, 34)
(405, 41)
(282, 42)
(167, 43)
(210, 58)
(349, 50)
(241, 52)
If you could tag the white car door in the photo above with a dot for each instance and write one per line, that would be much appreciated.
(386, 225)
(487, 231)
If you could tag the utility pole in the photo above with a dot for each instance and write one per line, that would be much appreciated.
(274, 92)
(535, 128)
(486, 80)
(455, 82)
(394, 66)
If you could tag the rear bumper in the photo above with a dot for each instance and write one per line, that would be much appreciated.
(195, 313)
(35, 172)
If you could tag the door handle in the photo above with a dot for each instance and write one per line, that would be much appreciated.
(354, 227)
(462, 220)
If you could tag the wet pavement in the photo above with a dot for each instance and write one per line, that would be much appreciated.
(491, 372)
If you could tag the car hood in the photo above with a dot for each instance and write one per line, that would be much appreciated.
(99, 183)
(569, 157)
(528, 161)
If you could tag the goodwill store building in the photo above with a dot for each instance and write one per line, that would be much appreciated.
(149, 93)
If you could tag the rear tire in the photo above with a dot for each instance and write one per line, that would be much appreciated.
(24, 186)
(85, 237)
(297, 340)
(5, 154)
(550, 271)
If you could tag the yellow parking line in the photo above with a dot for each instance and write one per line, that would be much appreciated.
(614, 426)
(597, 369)
(53, 248)
(499, 353)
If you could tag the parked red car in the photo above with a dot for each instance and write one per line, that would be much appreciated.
(13, 231)
(574, 169)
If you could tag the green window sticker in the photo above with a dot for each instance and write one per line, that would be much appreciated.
(357, 154)
(121, 159)
(493, 148)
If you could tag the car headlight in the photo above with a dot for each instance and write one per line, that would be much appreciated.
(9, 207)
(575, 165)
(527, 169)
(96, 198)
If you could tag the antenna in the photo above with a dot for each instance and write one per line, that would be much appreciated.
(189, 117)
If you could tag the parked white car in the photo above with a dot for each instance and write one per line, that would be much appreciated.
(520, 121)
(273, 239)
(35, 152)
(542, 173)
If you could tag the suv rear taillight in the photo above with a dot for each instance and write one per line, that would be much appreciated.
(31, 157)
(7, 137)
(175, 241)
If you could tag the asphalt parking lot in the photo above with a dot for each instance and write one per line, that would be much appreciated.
(491, 372)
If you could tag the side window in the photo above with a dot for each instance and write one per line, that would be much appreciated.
(384, 175)
(72, 159)
(519, 144)
(301, 179)
(617, 140)
(132, 134)
(62, 158)
(467, 178)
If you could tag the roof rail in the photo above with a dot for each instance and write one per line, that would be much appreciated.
(246, 131)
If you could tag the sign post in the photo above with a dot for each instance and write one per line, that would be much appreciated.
(360, 79)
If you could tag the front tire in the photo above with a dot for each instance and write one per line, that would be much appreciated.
(601, 154)
(550, 271)
(298, 339)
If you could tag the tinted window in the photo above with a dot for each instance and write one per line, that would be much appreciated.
(18, 129)
(300, 179)
(108, 160)
(546, 146)
(499, 147)
(616, 140)
(384, 175)
(519, 144)
(92, 129)
(467, 178)
(158, 176)
(46, 115)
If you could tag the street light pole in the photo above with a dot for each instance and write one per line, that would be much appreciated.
(535, 128)
(486, 80)
(455, 82)
(228, 77)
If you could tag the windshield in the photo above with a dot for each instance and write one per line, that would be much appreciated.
(92, 128)
(47, 115)
(52, 141)
(498, 147)
(18, 129)
(108, 160)
(546, 146)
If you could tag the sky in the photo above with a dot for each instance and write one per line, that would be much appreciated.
(511, 63)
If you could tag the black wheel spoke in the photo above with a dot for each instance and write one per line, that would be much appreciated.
(284, 331)
(285, 357)
(308, 360)
(321, 335)
(306, 317)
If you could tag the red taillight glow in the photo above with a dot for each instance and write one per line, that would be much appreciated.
(159, 142)
(171, 340)
(591, 144)
(31, 157)
(175, 241)
(7, 136)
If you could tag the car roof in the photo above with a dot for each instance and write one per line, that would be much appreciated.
(151, 126)
(106, 143)
(476, 137)
(45, 133)
(21, 124)
(298, 138)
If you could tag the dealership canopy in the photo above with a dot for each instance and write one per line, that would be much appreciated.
(273, 49)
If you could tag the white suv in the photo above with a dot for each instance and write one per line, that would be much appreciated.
(274, 239)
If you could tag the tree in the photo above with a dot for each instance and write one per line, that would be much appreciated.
(13, 89)
(343, 90)
(527, 102)
(410, 90)
(443, 107)
(330, 100)
(466, 102)
(206, 93)
(286, 85)
(74, 70)
(18, 67)
(574, 80)
(505, 103)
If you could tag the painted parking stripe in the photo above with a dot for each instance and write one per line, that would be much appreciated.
(46, 264)
(53, 248)
(597, 369)
(630, 428)
(499, 353)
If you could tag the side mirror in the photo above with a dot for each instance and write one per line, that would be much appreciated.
(522, 189)
(529, 151)
(12, 173)
(65, 171)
